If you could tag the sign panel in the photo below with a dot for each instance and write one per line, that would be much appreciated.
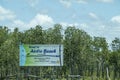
(41, 55)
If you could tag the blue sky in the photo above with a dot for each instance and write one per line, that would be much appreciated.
(97, 17)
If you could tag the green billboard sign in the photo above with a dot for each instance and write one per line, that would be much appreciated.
(41, 55)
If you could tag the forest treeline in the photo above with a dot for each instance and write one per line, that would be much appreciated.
(84, 55)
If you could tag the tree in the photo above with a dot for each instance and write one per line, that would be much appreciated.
(102, 54)
(76, 49)
(115, 57)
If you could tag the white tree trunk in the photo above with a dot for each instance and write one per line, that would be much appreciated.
(107, 73)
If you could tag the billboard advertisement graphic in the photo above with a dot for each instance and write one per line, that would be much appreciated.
(41, 55)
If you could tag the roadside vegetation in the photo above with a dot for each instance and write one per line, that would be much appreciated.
(90, 57)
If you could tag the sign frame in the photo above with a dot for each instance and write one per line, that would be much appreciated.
(41, 55)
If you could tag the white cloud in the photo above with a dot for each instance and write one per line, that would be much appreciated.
(4, 11)
(19, 24)
(93, 15)
(82, 1)
(6, 14)
(84, 25)
(66, 3)
(95, 29)
(40, 19)
(65, 24)
(43, 20)
(116, 19)
(106, 1)
(33, 3)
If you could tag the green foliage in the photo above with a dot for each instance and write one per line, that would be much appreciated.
(83, 55)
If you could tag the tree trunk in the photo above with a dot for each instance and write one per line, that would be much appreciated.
(98, 71)
(115, 73)
(107, 73)
(102, 70)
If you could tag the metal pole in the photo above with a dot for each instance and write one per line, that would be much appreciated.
(60, 59)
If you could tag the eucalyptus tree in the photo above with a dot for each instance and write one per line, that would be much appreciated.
(102, 56)
(68, 48)
(10, 56)
(4, 34)
(115, 57)
(32, 36)
(53, 36)
(76, 49)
